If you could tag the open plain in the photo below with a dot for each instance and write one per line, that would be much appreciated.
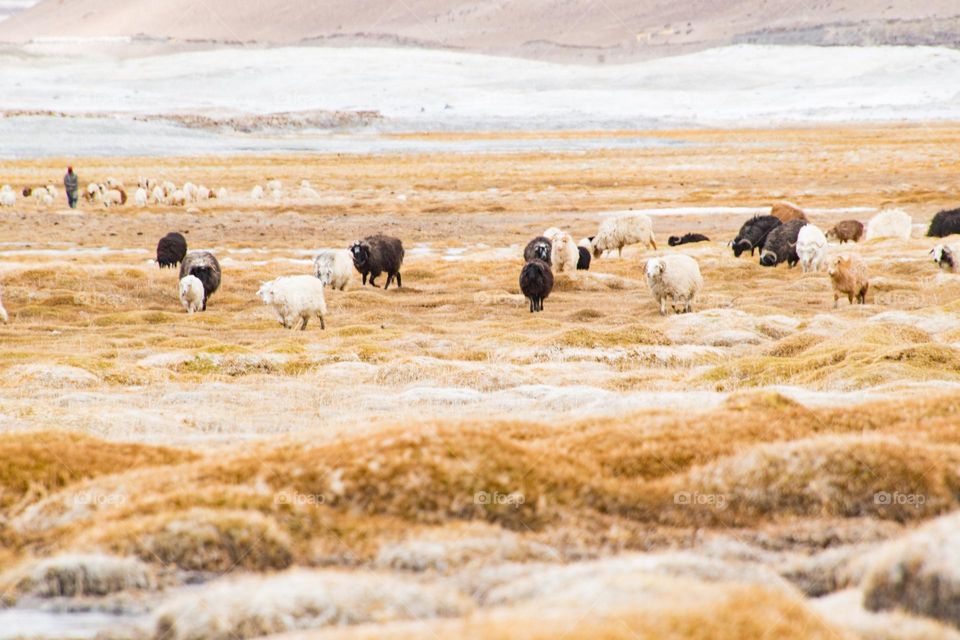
(439, 462)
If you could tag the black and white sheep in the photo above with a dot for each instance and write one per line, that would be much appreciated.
(583, 260)
(753, 233)
(171, 249)
(945, 257)
(378, 254)
(944, 224)
(536, 283)
(539, 248)
(687, 238)
(781, 244)
(204, 266)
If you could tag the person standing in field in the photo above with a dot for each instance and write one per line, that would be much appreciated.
(71, 184)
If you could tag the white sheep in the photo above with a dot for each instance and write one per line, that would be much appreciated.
(276, 194)
(295, 298)
(203, 193)
(257, 192)
(563, 253)
(112, 196)
(674, 278)
(7, 196)
(308, 192)
(274, 185)
(222, 193)
(157, 195)
(334, 268)
(42, 196)
(811, 247)
(190, 191)
(140, 197)
(178, 198)
(552, 233)
(617, 232)
(890, 223)
(191, 293)
(168, 188)
(586, 243)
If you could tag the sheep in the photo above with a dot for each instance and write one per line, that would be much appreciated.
(277, 195)
(178, 198)
(112, 196)
(52, 190)
(754, 233)
(191, 294)
(140, 197)
(41, 196)
(378, 253)
(616, 232)
(890, 223)
(204, 266)
(307, 192)
(674, 278)
(687, 238)
(8, 198)
(552, 233)
(168, 188)
(945, 223)
(811, 247)
(943, 255)
(536, 283)
(274, 185)
(171, 249)
(539, 248)
(334, 267)
(158, 196)
(848, 274)
(222, 193)
(781, 244)
(202, 193)
(583, 261)
(787, 211)
(190, 191)
(92, 192)
(564, 255)
(256, 193)
(846, 231)
(295, 298)
(586, 243)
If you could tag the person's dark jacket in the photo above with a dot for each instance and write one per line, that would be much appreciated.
(70, 182)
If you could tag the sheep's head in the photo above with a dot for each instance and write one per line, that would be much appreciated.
(943, 256)
(265, 292)
(673, 241)
(655, 267)
(360, 250)
(833, 234)
(838, 264)
(740, 246)
(768, 258)
(542, 251)
(324, 273)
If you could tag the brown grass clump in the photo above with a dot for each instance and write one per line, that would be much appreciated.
(39, 462)
(628, 336)
(79, 575)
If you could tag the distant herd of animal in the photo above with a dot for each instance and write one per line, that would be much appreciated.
(674, 279)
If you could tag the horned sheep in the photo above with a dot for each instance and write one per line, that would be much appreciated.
(811, 247)
(378, 254)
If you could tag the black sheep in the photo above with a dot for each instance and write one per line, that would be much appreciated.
(536, 282)
(583, 262)
(687, 238)
(781, 244)
(204, 266)
(375, 254)
(538, 249)
(171, 249)
(944, 224)
(753, 233)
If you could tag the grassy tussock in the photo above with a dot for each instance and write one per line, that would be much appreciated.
(626, 337)
(78, 575)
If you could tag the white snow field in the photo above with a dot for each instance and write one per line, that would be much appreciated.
(422, 90)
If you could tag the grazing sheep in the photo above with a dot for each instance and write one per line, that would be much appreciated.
(274, 185)
(307, 192)
(191, 294)
(140, 197)
(846, 231)
(190, 191)
(222, 193)
(204, 266)
(674, 278)
(112, 196)
(171, 249)
(617, 232)
(564, 255)
(583, 261)
(375, 254)
(334, 267)
(945, 223)
(256, 193)
(552, 233)
(848, 273)
(890, 223)
(754, 233)
(811, 247)
(944, 256)
(781, 245)
(295, 298)
(586, 243)
(158, 196)
(539, 248)
(536, 283)
(92, 192)
(178, 198)
(42, 197)
(687, 238)
(8, 198)
(787, 211)
(203, 193)
(168, 188)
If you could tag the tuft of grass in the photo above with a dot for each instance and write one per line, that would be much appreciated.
(627, 336)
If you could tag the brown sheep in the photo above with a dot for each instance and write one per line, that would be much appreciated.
(846, 231)
(787, 211)
(848, 273)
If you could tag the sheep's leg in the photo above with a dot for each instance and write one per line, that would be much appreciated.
(663, 306)
(372, 278)
(364, 278)
(653, 243)
(304, 319)
(389, 280)
(850, 297)
(531, 305)
(323, 324)
(620, 251)
(836, 300)
(398, 280)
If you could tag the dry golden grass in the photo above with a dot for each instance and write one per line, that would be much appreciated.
(220, 442)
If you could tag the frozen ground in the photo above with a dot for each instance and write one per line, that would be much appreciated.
(439, 90)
